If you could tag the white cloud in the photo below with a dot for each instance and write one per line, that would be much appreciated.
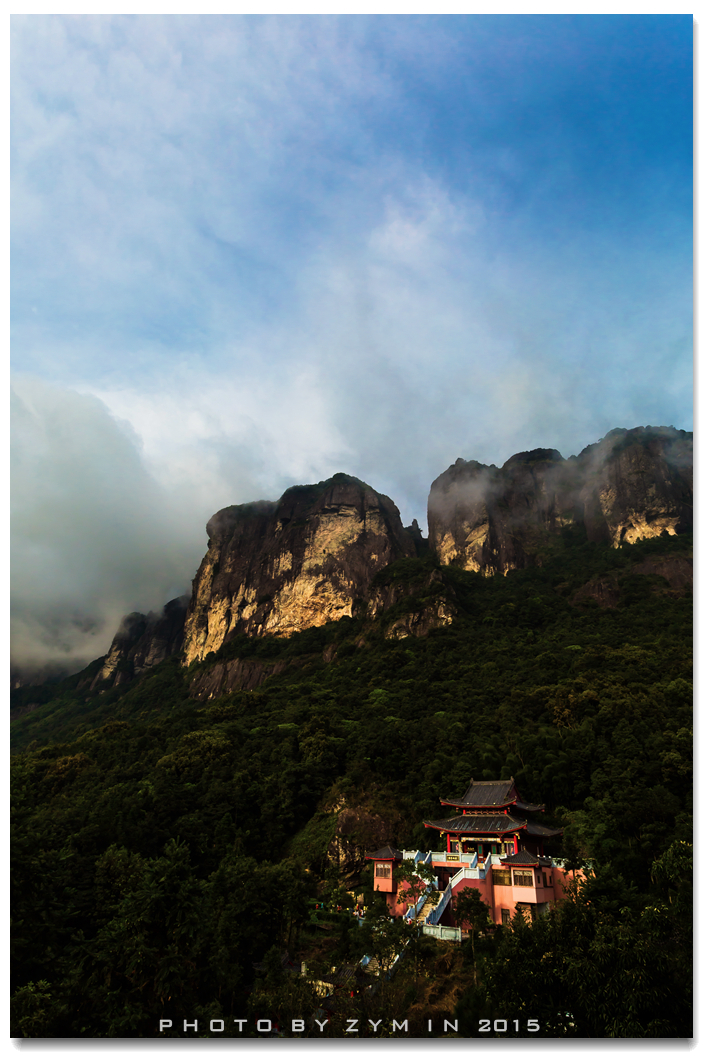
(219, 238)
(93, 535)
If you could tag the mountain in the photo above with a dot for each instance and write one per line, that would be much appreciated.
(319, 553)
(284, 567)
(178, 828)
(143, 641)
(631, 485)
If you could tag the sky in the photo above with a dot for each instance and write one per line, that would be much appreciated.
(252, 251)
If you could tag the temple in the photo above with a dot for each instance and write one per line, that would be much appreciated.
(493, 820)
(493, 843)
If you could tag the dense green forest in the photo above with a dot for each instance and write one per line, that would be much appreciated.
(166, 851)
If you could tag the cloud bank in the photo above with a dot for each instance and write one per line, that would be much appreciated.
(251, 251)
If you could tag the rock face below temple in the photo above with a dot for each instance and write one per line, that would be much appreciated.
(143, 641)
(281, 567)
(632, 484)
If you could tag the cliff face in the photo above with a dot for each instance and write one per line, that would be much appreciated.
(413, 607)
(675, 571)
(630, 485)
(143, 641)
(317, 554)
(287, 566)
(489, 519)
(638, 484)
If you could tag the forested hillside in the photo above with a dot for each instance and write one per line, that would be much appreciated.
(163, 844)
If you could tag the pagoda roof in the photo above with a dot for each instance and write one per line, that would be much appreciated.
(492, 794)
(541, 830)
(485, 793)
(479, 824)
(386, 854)
(491, 824)
(524, 857)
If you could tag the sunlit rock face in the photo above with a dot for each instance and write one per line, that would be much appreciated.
(630, 485)
(278, 568)
(491, 519)
(638, 484)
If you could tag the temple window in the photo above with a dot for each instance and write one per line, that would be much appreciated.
(383, 870)
(522, 879)
(501, 877)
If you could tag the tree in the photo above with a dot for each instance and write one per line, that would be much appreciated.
(585, 970)
(417, 880)
(469, 908)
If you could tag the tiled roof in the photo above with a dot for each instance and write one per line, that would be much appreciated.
(478, 824)
(482, 793)
(524, 857)
(541, 829)
(528, 807)
(386, 854)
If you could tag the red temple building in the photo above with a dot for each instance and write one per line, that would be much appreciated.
(386, 860)
(493, 843)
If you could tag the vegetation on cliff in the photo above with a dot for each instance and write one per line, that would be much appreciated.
(162, 846)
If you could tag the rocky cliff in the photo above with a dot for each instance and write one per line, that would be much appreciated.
(632, 484)
(323, 551)
(283, 567)
(143, 641)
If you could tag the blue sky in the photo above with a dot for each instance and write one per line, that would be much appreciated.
(251, 251)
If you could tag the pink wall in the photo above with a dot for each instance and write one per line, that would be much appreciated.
(397, 904)
(499, 898)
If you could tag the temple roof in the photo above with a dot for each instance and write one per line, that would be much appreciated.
(492, 794)
(498, 793)
(386, 854)
(491, 824)
(524, 857)
(541, 830)
(479, 824)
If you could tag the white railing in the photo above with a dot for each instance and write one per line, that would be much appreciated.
(438, 931)
(412, 910)
(442, 904)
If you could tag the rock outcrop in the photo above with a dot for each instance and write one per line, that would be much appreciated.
(359, 829)
(412, 606)
(322, 552)
(143, 641)
(633, 484)
(675, 571)
(234, 675)
(278, 568)
(637, 484)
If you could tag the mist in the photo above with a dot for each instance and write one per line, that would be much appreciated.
(93, 535)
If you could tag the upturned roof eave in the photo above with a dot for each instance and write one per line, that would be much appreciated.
(387, 853)
(455, 826)
(475, 806)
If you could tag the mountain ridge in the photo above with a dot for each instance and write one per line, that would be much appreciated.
(273, 568)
